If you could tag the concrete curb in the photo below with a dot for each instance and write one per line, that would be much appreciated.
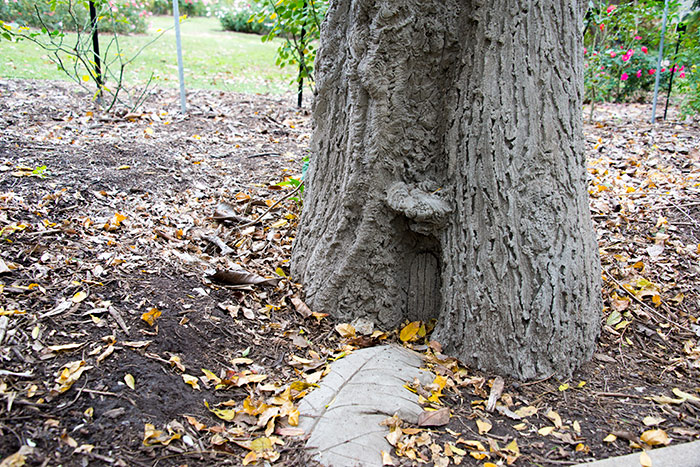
(681, 455)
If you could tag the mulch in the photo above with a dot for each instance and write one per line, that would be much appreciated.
(147, 316)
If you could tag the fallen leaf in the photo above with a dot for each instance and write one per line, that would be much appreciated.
(191, 380)
(526, 411)
(130, 381)
(547, 430)
(685, 396)
(555, 418)
(410, 331)
(610, 438)
(197, 425)
(301, 307)
(644, 459)
(387, 459)
(483, 426)
(653, 421)
(79, 297)
(439, 417)
(151, 316)
(655, 437)
(345, 330)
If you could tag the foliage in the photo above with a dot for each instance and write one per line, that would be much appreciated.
(120, 16)
(237, 19)
(298, 22)
(690, 53)
(621, 43)
(77, 58)
(186, 7)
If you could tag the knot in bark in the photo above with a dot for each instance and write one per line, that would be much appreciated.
(426, 208)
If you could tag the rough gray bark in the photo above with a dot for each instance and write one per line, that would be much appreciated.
(448, 179)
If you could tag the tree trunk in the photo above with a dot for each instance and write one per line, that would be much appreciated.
(448, 179)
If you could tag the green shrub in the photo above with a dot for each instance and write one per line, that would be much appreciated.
(238, 20)
(186, 7)
(120, 16)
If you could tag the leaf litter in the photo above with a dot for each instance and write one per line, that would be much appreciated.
(146, 314)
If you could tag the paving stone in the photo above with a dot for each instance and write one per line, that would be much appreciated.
(342, 416)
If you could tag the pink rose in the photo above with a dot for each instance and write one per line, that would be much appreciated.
(624, 77)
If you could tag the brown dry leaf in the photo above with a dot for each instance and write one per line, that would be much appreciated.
(653, 421)
(546, 431)
(345, 330)
(496, 391)
(526, 411)
(439, 417)
(197, 425)
(655, 437)
(555, 418)
(301, 307)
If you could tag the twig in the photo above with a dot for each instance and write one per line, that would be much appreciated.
(536, 382)
(24, 374)
(617, 394)
(253, 222)
(43, 232)
(263, 154)
(645, 306)
(225, 249)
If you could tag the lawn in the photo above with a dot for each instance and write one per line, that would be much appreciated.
(214, 59)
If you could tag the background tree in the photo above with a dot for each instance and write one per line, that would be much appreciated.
(448, 179)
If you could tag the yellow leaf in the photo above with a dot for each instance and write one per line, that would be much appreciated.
(410, 331)
(151, 316)
(211, 376)
(79, 297)
(520, 426)
(644, 459)
(345, 330)
(490, 464)
(483, 426)
(684, 395)
(278, 224)
(513, 447)
(130, 381)
(148, 131)
(610, 438)
(86, 77)
(250, 458)
(564, 387)
(655, 437)
(176, 362)
(387, 459)
(191, 380)
(546, 431)
(124, 167)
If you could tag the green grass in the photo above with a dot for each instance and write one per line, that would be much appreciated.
(213, 58)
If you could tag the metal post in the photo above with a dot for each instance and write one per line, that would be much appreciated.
(180, 68)
(658, 63)
(302, 65)
(96, 51)
(681, 29)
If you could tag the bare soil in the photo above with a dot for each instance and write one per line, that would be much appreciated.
(109, 304)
